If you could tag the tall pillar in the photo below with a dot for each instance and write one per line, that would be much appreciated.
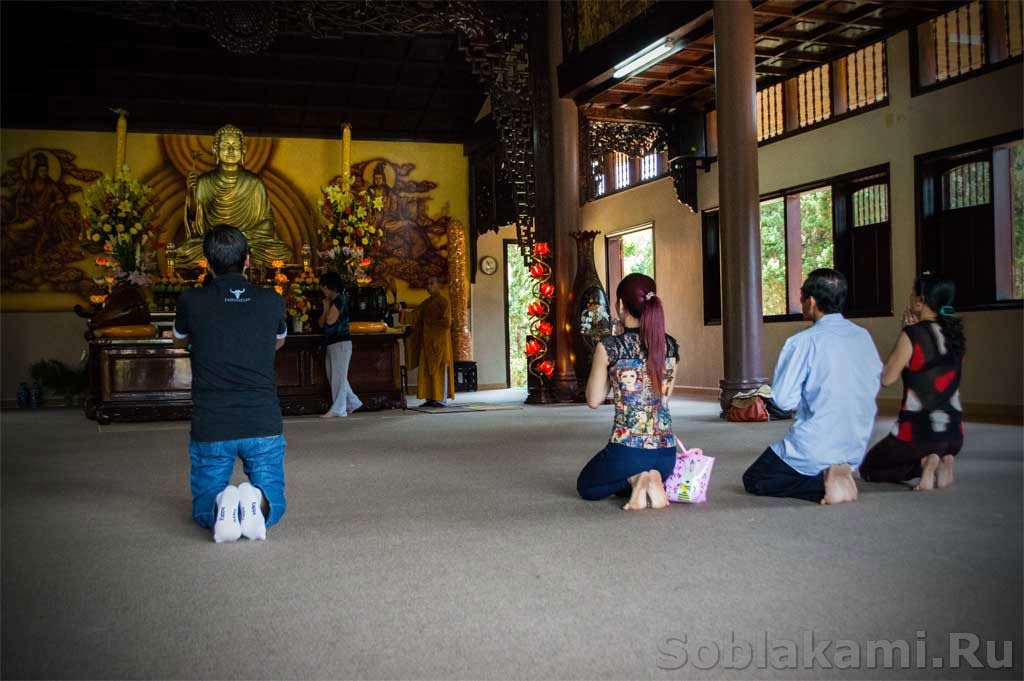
(738, 197)
(565, 143)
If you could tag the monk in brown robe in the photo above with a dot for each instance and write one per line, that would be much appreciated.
(431, 348)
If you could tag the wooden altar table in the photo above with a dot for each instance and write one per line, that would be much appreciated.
(151, 380)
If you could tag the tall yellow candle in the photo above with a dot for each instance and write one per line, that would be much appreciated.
(121, 151)
(346, 154)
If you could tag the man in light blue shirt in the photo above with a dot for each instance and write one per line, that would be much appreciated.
(830, 374)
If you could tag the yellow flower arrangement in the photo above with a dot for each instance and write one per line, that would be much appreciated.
(346, 230)
(111, 204)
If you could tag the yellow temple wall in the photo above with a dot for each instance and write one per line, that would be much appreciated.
(41, 325)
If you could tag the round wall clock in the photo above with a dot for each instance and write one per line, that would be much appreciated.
(488, 265)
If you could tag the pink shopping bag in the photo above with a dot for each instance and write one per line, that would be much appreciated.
(691, 477)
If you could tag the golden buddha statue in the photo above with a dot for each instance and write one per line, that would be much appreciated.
(230, 195)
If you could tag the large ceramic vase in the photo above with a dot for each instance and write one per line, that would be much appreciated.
(591, 318)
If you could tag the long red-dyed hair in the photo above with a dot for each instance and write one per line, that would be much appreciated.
(639, 295)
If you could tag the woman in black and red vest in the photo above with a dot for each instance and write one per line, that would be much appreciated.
(928, 356)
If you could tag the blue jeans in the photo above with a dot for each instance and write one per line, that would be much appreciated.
(213, 463)
(609, 471)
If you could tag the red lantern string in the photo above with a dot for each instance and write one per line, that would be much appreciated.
(539, 309)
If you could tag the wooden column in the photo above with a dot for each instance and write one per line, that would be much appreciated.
(565, 146)
(738, 197)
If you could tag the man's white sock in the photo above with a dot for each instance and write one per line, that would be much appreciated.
(250, 501)
(226, 526)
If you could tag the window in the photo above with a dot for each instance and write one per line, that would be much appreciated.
(871, 205)
(971, 219)
(769, 112)
(773, 256)
(597, 172)
(966, 185)
(814, 96)
(866, 77)
(842, 222)
(628, 252)
(1014, 18)
(1017, 199)
(649, 166)
(959, 41)
(815, 231)
(620, 164)
(966, 41)
(615, 171)
(849, 84)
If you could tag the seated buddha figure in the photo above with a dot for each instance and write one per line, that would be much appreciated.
(231, 195)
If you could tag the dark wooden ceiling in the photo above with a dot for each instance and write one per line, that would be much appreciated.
(66, 64)
(791, 36)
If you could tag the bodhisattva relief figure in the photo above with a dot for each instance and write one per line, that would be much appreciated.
(231, 195)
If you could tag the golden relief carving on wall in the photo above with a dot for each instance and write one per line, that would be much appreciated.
(42, 224)
(415, 244)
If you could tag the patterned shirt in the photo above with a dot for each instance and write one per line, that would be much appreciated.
(931, 409)
(642, 418)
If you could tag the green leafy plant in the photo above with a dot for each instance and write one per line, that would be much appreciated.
(59, 378)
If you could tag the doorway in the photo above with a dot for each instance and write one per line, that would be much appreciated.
(628, 251)
(517, 323)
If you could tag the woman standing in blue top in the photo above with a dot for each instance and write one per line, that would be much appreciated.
(334, 322)
(640, 365)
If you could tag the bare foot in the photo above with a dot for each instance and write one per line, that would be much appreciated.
(656, 489)
(638, 501)
(929, 467)
(839, 485)
(944, 478)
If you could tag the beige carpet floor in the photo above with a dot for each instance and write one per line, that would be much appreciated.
(423, 547)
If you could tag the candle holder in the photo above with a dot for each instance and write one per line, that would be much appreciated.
(170, 257)
(306, 256)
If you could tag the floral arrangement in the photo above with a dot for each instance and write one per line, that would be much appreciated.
(347, 230)
(118, 216)
(297, 304)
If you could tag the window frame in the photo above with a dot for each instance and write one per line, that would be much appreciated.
(864, 177)
(618, 234)
(609, 173)
(833, 117)
(917, 88)
(955, 156)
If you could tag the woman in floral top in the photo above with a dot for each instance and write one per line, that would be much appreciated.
(640, 366)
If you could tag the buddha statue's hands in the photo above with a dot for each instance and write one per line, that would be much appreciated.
(192, 180)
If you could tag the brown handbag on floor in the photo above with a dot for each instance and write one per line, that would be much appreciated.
(747, 409)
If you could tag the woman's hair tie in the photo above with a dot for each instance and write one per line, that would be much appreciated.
(946, 310)
(650, 294)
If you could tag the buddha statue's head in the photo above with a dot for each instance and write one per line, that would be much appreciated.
(229, 146)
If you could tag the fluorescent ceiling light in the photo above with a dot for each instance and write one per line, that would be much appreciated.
(644, 58)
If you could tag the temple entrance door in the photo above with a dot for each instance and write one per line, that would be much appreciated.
(628, 251)
(517, 323)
